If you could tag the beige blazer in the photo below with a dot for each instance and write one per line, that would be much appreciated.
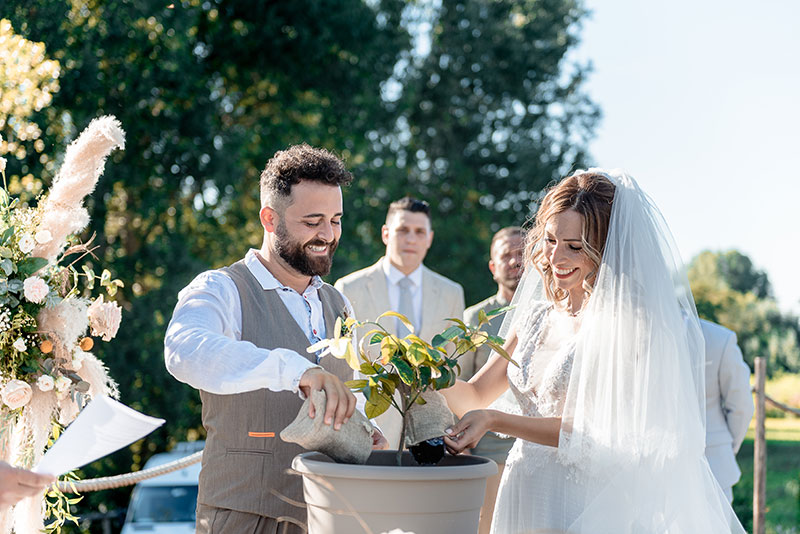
(729, 403)
(368, 292)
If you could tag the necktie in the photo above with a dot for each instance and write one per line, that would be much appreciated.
(406, 305)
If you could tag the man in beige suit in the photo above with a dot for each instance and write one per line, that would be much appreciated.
(729, 403)
(400, 282)
(239, 334)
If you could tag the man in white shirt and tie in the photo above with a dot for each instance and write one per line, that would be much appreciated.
(400, 282)
(239, 334)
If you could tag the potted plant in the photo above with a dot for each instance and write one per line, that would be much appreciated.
(391, 491)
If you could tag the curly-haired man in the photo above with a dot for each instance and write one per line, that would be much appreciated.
(239, 334)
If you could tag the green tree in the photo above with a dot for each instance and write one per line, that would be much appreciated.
(206, 95)
(730, 291)
(491, 115)
(208, 89)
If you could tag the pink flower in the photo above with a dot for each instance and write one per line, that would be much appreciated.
(35, 289)
(16, 394)
(104, 318)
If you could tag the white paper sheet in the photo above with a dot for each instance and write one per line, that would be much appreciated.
(103, 427)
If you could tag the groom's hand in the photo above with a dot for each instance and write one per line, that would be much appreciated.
(340, 401)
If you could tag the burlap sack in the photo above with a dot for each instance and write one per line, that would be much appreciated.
(351, 444)
(426, 421)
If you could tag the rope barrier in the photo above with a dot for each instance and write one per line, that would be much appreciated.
(128, 479)
(778, 404)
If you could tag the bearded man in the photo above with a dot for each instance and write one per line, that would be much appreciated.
(239, 335)
(506, 265)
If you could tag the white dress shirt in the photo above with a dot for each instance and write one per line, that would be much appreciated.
(203, 346)
(393, 277)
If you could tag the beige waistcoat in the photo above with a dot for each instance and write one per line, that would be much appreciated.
(244, 461)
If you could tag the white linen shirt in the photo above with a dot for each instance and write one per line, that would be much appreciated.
(203, 345)
(393, 277)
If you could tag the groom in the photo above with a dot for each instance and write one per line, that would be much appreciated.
(239, 334)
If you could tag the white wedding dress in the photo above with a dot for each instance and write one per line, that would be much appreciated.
(626, 377)
(534, 480)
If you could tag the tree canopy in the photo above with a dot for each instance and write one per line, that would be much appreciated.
(476, 116)
(729, 290)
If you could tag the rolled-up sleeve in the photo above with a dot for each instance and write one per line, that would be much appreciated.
(203, 345)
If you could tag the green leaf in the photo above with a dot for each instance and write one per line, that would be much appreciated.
(461, 325)
(388, 385)
(403, 369)
(355, 384)
(416, 354)
(421, 401)
(482, 318)
(449, 334)
(377, 405)
(435, 355)
(89, 272)
(7, 235)
(6, 252)
(368, 369)
(424, 375)
(105, 277)
(30, 265)
(377, 337)
(444, 380)
(7, 266)
(499, 311)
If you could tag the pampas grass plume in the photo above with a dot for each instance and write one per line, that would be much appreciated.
(83, 164)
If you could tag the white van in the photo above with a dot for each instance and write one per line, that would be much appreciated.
(165, 504)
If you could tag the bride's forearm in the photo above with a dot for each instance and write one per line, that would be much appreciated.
(462, 397)
(542, 430)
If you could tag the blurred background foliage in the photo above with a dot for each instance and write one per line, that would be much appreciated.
(473, 105)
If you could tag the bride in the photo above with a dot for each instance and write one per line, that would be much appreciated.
(608, 400)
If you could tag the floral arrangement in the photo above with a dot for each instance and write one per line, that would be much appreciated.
(47, 312)
(408, 366)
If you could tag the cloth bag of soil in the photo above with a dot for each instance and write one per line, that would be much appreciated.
(351, 444)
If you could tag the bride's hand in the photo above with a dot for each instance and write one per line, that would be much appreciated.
(467, 432)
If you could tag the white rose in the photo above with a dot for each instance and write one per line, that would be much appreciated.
(26, 243)
(77, 364)
(16, 394)
(45, 383)
(35, 289)
(104, 318)
(2, 164)
(62, 384)
(43, 236)
(20, 345)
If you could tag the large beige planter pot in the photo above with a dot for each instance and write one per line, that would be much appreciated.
(379, 497)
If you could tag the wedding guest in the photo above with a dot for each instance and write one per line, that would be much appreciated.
(17, 484)
(505, 264)
(239, 334)
(729, 403)
(399, 281)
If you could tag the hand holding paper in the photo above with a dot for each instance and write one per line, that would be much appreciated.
(103, 427)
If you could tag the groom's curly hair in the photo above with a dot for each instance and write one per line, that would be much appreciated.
(295, 164)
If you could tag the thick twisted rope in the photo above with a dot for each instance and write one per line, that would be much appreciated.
(128, 479)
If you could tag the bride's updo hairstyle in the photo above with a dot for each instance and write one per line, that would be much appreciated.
(591, 195)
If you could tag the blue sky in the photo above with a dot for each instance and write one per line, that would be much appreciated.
(701, 104)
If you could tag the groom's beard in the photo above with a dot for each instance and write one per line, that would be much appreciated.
(294, 253)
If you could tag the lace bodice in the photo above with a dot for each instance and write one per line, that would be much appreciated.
(545, 352)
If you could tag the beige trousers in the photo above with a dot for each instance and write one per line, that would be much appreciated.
(211, 520)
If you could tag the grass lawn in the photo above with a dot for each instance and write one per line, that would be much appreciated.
(783, 478)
